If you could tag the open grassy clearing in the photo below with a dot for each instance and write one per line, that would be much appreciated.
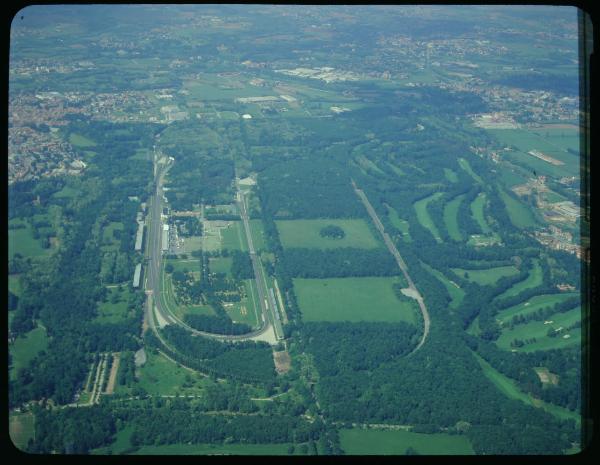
(456, 293)
(26, 347)
(520, 215)
(399, 223)
(534, 279)
(451, 219)
(305, 233)
(21, 241)
(477, 207)
(510, 389)
(192, 244)
(353, 299)
(423, 216)
(464, 164)
(233, 237)
(188, 264)
(539, 331)
(539, 301)
(109, 312)
(80, 141)
(450, 175)
(485, 277)
(246, 310)
(220, 265)
(21, 428)
(358, 441)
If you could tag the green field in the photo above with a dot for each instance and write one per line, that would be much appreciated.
(423, 216)
(353, 299)
(520, 215)
(456, 293)
(533, 280)
(234, 237)
(192, 244)
(450, 175)
(532, 305)
(357, 441)
(80, 141)
(21, 428)
(305, 233)
(399, 223)
(451, 219)
(477, 211)
(488, 276)
(464, 164)
(21, 241)
(109, 312)
(510, 389)
(246, 311)
(26, 347)
(220, 265)
(539, 330)
(187, 264)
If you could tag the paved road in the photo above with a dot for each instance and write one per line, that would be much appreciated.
(164, 315)
(401, 264)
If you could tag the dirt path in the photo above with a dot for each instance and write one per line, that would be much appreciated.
(110, 387)
(401, 264)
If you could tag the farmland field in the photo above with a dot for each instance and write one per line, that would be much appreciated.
(80, 141)
(246, 311)
(25, 348)
(21, 428)
(489, 276)
(534, 279)
(450, 217)
(450, 175)
(357, 441)
(220, 265)
(423, 215)
(192, 243)
(532, 305)
(477, 207)
(353, 299)
(305, 233)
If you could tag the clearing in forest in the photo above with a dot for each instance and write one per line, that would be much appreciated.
(451, 217)
(307, 233)
(423, 215)
(486, 276)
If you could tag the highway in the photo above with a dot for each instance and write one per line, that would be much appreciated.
(401, 264)
(163, 315)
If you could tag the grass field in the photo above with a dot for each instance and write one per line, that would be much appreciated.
(80, 141)
(234, 237)
(21, 241)
(109, 312)
(451, 219)
(456, 293)
(464, 164)
(25, 348)
(353, 299)
(423, 216)
(477, 211)
(489, 276)
(305, 233)
(450, 175)
(109, 242)
(189, 264)
(220, 265)
(532, 305)
(21, 428)
(509, 388)
(534, 279)
(539, 330)
(192, 244)
(520, 215)
(357, 441)
(399, 223)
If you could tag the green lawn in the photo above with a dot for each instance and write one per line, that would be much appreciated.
(510, 389)
(21, 428)
(477, 211)
(539, 330)
(109, 312)
(358, 441)
(450, 217)
(192, 244)
(456, 293)
(167, 296)
(220, 265)
(533, 280)
(464, 164)
(66, 192)
(80, 141)
(450, 175)
(423, 216)
(532, 305)
(353, 299)
(246, 311)
(21, 241)
(520, 214)
(488, 276)
(305, 233)
(234, 237)
(399, 223)
(26, 347)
